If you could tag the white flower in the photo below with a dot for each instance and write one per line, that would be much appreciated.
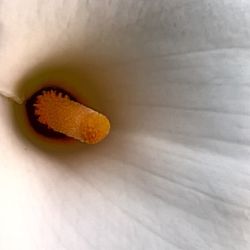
(173, 76)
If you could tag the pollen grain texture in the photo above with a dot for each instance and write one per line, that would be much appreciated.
(71, 118)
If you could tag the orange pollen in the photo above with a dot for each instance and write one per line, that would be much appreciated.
(71, 118)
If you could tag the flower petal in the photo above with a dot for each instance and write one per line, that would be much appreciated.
(174, 173)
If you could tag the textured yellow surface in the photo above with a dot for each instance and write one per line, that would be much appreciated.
(73, 119)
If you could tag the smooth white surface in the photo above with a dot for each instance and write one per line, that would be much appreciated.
(175, 171)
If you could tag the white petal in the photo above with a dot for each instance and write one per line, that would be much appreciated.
(174, 173)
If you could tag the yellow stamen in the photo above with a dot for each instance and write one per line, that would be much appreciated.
(73, 119)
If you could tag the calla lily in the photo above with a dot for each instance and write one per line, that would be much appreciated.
(172, 76)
